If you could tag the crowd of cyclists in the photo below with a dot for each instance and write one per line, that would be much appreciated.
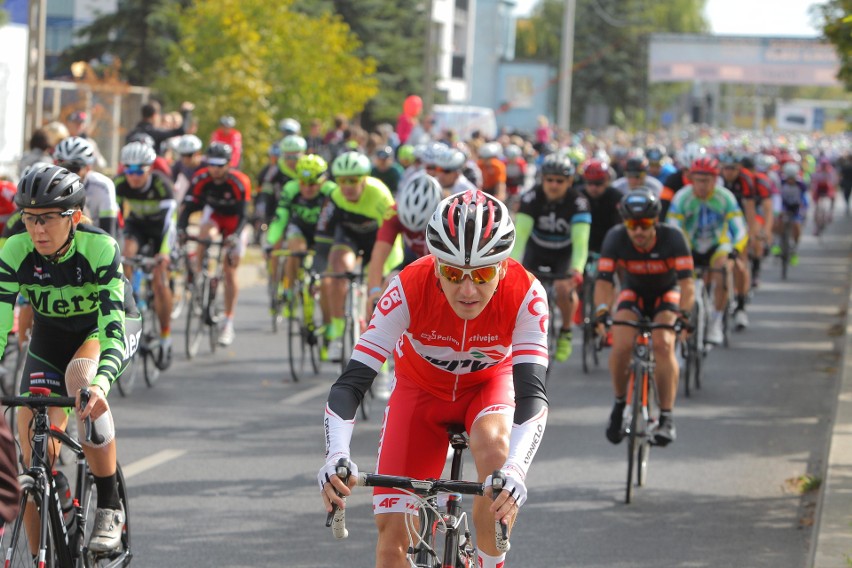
(637, 214)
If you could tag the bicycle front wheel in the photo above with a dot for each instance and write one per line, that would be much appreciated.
(121, 555)
(650, 414)
(18, 545)
(150, 340)
(633, 434)
(195, 320)
(296, 329)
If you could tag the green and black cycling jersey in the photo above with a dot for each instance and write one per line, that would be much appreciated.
(294, 208)
(82, 291)
(153, 204)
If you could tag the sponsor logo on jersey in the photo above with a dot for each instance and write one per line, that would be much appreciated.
(390, 300)
(40, 273)
(463, 365)
(538, 308)
(435, 336)
(481, 354)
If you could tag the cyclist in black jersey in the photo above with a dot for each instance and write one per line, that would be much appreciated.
(86, 323)
(656, 264)
(555, 219)
(603, 202)
(147, 198)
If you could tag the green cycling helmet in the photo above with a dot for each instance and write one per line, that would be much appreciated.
(351, 164)
(293, 144)
(406, 153)
(311, 169)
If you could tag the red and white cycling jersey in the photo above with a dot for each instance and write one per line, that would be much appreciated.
(444, 354)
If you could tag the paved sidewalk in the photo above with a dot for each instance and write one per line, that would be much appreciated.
(832, 543)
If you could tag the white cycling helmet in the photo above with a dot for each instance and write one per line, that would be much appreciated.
(471, 228)
(489, 150)
(691, 152)
(430, 152)
(74, 150)
(189, 144)
(790, 169)
(513, 151)
(450, 160)
(764, 162)
(351, 164)
(417, 200)
(289, 126)
(138, 153)
(293, 144)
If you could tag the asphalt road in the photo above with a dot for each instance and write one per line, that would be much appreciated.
(221, 456)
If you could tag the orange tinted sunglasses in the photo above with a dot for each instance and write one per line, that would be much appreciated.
(479, 275)
(633, 224)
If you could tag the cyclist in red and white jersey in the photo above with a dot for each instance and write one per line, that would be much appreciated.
(467, 327)
(824, 183)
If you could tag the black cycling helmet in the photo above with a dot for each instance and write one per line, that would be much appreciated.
(636, 164)
(747, 161)
(640, 203)
(557, 165)
(50, 186)
(219, 153)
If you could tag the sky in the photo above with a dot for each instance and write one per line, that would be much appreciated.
(747, 17)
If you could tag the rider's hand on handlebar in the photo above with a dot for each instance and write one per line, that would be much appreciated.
(514, 493)
(333, 488)
(97, 403)
(576, 277)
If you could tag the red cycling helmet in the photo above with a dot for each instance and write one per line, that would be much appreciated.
(595, 170)
(705, 165)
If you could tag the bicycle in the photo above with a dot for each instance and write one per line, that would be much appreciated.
(61, 540)
(694, 349)
(205, 308)
(643, 406)
(181, 274)
(304, 319)
(593, 343)
(822, 214)
(149, 340)
(439, 511)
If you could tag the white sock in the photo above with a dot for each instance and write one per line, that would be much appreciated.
(486, 561)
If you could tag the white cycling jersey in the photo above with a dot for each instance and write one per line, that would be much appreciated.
(101, 203)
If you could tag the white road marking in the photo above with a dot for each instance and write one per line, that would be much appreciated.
(151, 462)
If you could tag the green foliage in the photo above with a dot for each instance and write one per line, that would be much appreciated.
(261, 62)
(139, 32)
(4, 15)
(610, 49)
(836, 23)
(394, 35)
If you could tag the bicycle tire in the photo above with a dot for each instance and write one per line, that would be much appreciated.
(15, 539)
(633, 432)
(312, 336)
(785, 249)
(195, 320)
(150, 340)
(179, 289)
(214, 312)
(296, 329)
(126, 381)
(122, 555)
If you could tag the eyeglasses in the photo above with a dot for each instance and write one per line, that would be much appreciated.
(645, 224)
(187, 155)
(46, 219)
(594, 182)
(135, 170)
(349, 180)
(634, 175)
(480, 275)
(556, 179)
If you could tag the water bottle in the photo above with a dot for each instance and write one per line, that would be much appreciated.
(63, 489)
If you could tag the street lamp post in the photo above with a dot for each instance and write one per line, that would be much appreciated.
(566, 66)
(35, 66)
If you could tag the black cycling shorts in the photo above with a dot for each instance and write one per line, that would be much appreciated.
(649, 305)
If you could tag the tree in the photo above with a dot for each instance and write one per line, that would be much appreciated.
(261, 62)
(139, 32)
(836, 16)
(4, 15)
(394, 35)
(610, 49)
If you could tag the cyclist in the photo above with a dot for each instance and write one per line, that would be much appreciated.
(713, 223)
(553, 226)
(347, 228)
(148, 200)
(680, 179)
(221, 192)
(657, 283)
(636, 176)
(792, 204)
(749, 196)
(190, 161)
(414, 206)
(823, 183)
(386, 169)
(227, 133)
(294, 225)
(77, 155)
(444, 312)
(493, 170)
(603, 202)
(758, 168)
(85, 322)
(516, 170)
(448, 169)
(291, 148)
(659, 166)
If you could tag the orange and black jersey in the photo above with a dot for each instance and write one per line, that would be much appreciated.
(743, 187)
(228, 198)
(763, 186)
(673, 183)
(649, 272)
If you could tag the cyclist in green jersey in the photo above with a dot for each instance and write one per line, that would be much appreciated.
(348, 224)
(86, 323)
(298, 211)
(714, 226)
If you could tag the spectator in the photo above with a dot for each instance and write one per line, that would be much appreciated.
(314, 137)
(151, 123)
(78, 125)
(39, 151)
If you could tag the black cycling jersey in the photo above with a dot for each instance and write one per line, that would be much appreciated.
(648, 273)
(552, 220)
(149, 205)
(605, 215)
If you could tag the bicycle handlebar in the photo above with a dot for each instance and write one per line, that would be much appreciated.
(336, 519)
(40, 400)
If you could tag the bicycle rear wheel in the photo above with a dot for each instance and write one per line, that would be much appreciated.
(298, 348)
(180, 292)
(150, 346)
(195, 319)
(120, 556)
(16, 543)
